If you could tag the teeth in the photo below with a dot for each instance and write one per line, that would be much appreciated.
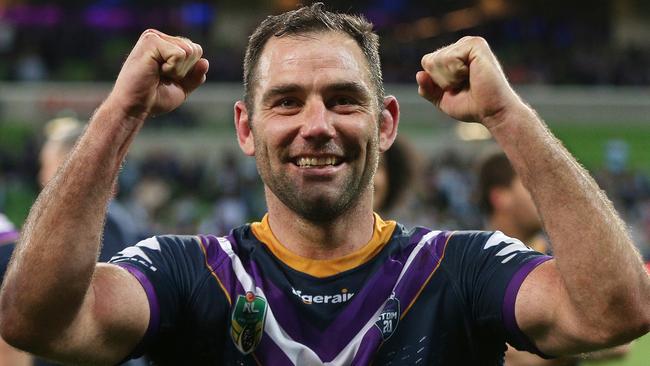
(309, 162)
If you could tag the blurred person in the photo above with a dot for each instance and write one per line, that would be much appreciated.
(507, 204)
(321, 278)
(393, 177)
(61, 135)
(510, 209)
(229, 209)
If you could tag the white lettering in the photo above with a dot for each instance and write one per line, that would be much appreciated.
(249, 307)
(323, 299)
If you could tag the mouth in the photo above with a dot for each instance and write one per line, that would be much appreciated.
(311, 162)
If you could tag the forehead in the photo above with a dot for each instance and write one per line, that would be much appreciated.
(310, 59)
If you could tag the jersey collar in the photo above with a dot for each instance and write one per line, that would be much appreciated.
(381, 234)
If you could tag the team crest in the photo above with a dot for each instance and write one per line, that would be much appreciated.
(388, 318)
(248, 318)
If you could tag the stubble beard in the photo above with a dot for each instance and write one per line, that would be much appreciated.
(312, 206)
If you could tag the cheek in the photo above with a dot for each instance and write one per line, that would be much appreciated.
(363, 133)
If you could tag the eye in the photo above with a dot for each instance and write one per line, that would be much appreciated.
(288, 103)
(343, 104)
(343, 101)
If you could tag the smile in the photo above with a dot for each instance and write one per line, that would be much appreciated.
(317, 162)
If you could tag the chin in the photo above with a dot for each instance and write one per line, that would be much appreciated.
(321, 209)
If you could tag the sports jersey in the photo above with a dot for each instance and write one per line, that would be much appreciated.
(418, 297)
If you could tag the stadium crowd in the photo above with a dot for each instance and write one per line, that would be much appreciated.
(167, 193)
(39, 42)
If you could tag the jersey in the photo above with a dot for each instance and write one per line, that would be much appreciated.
(418, 297)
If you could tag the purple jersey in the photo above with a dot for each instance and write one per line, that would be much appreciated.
(417, 297)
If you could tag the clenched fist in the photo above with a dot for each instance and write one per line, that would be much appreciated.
(466, 82)
(158, 75)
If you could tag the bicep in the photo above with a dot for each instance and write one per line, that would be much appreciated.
(111, 322)
(546, 315)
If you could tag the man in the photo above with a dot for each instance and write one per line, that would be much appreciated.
(393, 177)
(507, 204)
(321, 280)
(510, 209)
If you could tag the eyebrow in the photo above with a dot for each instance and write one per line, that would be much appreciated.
(352, 87)
(281, 89)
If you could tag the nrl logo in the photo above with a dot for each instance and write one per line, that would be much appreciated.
(388, 318)
(248, 318)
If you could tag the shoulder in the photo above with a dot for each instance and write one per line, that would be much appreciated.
(163, 251)
(443, 240)
(492, 243)
(462, 248)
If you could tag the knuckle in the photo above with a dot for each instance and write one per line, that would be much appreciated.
(148, 32)
(441, 59)
(426, 61)
(189, 50)
(477, 41)
(147, 36)
(181, 53)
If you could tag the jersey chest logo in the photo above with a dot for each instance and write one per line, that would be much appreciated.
(388, 318)
(247, 322)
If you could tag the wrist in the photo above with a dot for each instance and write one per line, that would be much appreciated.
(123, 108)
(112, 129)
(515, 116)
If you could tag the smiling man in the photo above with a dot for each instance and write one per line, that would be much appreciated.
(321, 279)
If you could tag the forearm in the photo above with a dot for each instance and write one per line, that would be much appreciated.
(597, 261)
(55, 258)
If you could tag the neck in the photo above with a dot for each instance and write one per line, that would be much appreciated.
(507, 225)
(322, 240)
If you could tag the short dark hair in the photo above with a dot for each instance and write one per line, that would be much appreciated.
(310, 19)
(398, 161)
(494, 171)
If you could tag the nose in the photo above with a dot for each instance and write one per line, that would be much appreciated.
(318, 122)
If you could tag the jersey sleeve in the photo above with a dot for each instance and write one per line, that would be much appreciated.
(168, 268)
(488, 269)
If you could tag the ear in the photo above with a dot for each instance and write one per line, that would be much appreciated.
(388, 124)
(244, 132)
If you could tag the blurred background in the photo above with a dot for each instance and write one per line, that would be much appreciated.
(583, 65)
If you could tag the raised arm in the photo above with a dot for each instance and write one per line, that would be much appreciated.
(596, 292)
(55, 301)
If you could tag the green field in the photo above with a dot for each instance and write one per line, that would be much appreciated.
(639, 356)
(588, 142)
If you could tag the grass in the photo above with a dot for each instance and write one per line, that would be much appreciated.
(588, 143)
(639, 356)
